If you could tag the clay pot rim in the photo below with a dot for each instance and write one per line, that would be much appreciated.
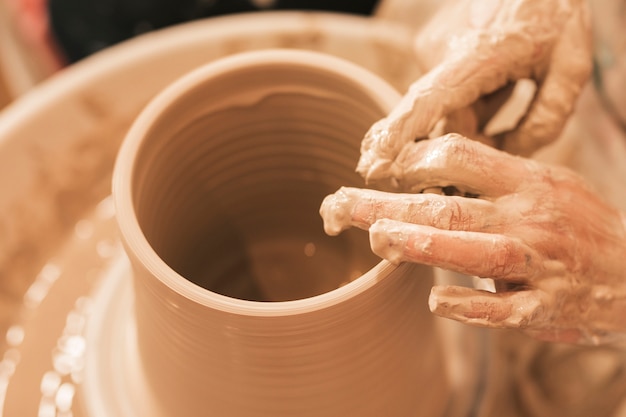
(134, 239)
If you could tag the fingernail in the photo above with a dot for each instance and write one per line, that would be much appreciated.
(440, 303)
(387, 240)
(433, 302)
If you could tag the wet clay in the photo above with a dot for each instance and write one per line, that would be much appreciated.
(217, 189)
(234, 209)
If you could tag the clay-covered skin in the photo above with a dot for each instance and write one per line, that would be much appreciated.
(473, 51)
(555, 249)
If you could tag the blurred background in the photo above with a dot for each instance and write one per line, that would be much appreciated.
(40, 37)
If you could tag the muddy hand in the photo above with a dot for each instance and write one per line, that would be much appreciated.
(473, 52)
(556, 251)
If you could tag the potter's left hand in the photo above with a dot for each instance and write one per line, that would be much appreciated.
(473, 51)
(555, 250)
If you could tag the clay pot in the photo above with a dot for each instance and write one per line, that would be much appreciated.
(243, 306)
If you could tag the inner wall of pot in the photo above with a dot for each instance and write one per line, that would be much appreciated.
(231, 199)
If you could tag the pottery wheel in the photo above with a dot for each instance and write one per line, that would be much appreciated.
(66, 289)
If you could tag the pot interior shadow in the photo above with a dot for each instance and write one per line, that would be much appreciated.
(231, 200)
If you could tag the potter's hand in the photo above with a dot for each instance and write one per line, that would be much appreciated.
(473, 52)
(557, 252)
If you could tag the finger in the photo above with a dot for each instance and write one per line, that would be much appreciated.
(472, 121)
(462, 121)
(469, 165)
(481, 308)
(487, 107)
(413, 117)
(472, 253)
(570, 67)
(379, 148)
(356, 207)
(454, 84)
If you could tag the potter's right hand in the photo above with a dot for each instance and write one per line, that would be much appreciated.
(473, 52)
(556, 251)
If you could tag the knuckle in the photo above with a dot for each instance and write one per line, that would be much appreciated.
(450, 214)
(507, 260)
(451, 144)
(456, 150)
